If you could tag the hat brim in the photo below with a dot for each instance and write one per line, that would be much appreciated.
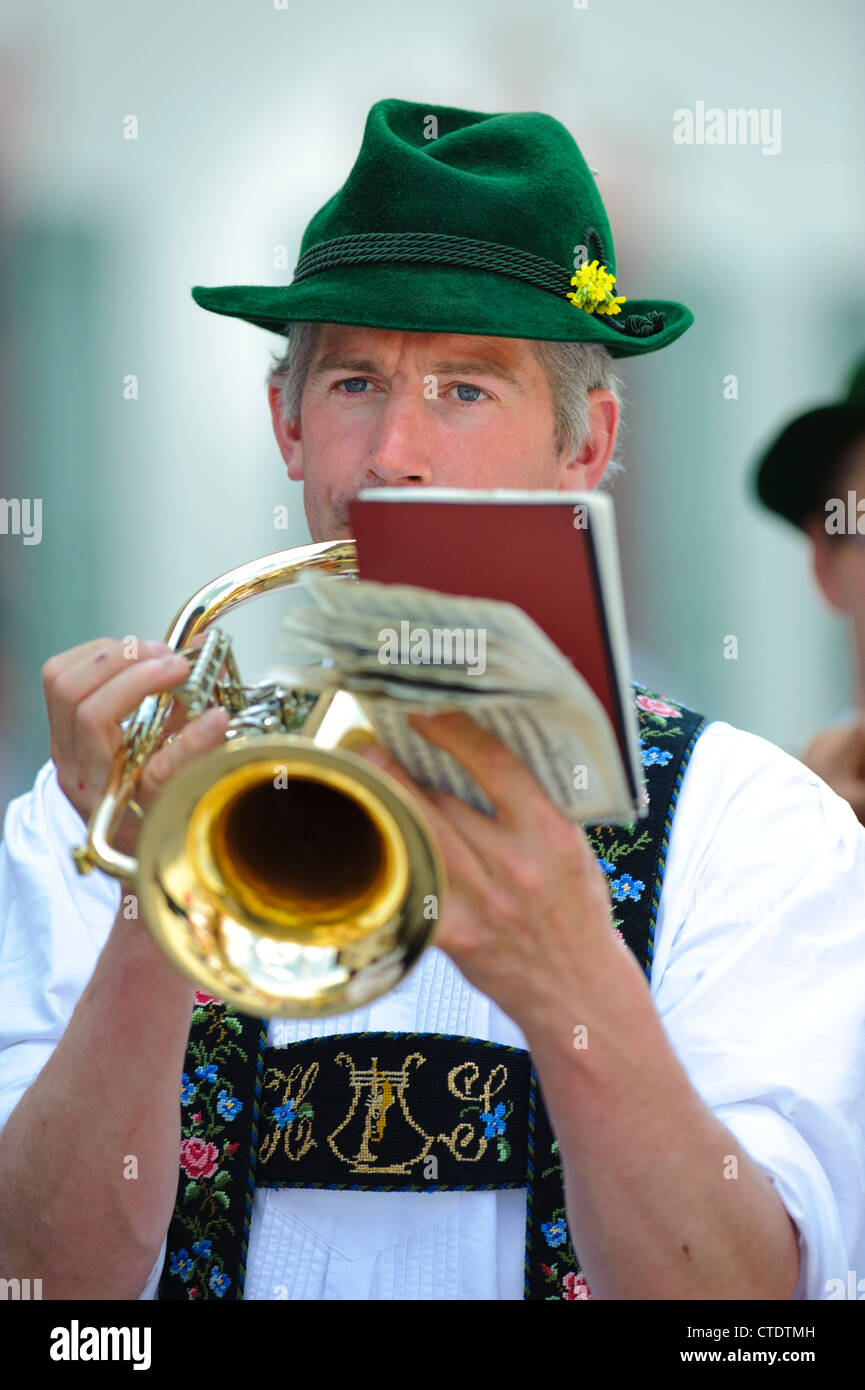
(439, 300)
(794, 473)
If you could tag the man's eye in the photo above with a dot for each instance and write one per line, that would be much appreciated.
(356, 385)
(465, 392)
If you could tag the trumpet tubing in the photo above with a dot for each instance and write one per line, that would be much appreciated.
(280, 872)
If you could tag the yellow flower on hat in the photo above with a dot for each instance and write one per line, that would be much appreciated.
(594, 285)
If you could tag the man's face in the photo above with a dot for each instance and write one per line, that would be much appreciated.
(382, 408)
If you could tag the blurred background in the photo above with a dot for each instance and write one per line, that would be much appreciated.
(147, 148)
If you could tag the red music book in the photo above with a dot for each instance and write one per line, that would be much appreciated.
(553, 554)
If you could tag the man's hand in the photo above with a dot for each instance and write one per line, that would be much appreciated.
(89, 690)
(838, 756)
(527, 908)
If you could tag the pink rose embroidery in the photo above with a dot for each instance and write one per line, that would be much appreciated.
(656, 706)
(576, 1287)
(198, 1159)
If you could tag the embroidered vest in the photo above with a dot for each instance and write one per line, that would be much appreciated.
(424, 1112)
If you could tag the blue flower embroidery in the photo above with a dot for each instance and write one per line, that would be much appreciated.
(555, 1232)
(187, 1091)
(181, 1264)
(627, 887)
(495, 1122)
(228, 1106)
(219, 1282)
(654, 755)
(208, 1073)
(202, 1247)
(607, 866)
(285, 1114)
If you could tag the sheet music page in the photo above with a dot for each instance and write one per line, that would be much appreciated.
(402, 650)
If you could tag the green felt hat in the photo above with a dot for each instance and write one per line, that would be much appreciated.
(799, 471)
(458, 221)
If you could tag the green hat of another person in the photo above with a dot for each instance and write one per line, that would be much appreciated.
(458, 221)
(794, 474)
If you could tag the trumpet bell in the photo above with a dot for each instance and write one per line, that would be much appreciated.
(288, 879)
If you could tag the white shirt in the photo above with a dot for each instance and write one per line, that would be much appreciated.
(758, 977)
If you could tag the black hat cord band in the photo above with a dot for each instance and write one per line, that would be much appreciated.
(440, 249)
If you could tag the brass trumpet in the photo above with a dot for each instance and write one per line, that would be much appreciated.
(280, 872)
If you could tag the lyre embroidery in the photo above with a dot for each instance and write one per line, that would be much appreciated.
(385, 1107)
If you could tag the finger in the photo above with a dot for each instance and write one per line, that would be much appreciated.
(488, 836)
(75, 675)
(119, 696)
(199, 736)
(57, 665)
(97, 730)
(516, 794)
(84, 668)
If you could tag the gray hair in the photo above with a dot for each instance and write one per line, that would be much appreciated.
(573, 369)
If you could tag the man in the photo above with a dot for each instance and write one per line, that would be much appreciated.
(814, 476)
(708, 1123)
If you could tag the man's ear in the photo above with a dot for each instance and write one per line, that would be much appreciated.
(824, 557)
(287, 435)
(584, 470)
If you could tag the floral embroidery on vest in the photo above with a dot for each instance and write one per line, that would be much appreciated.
(208, 1150)
(633, 861)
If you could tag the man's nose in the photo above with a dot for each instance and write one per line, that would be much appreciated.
(401, 451)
